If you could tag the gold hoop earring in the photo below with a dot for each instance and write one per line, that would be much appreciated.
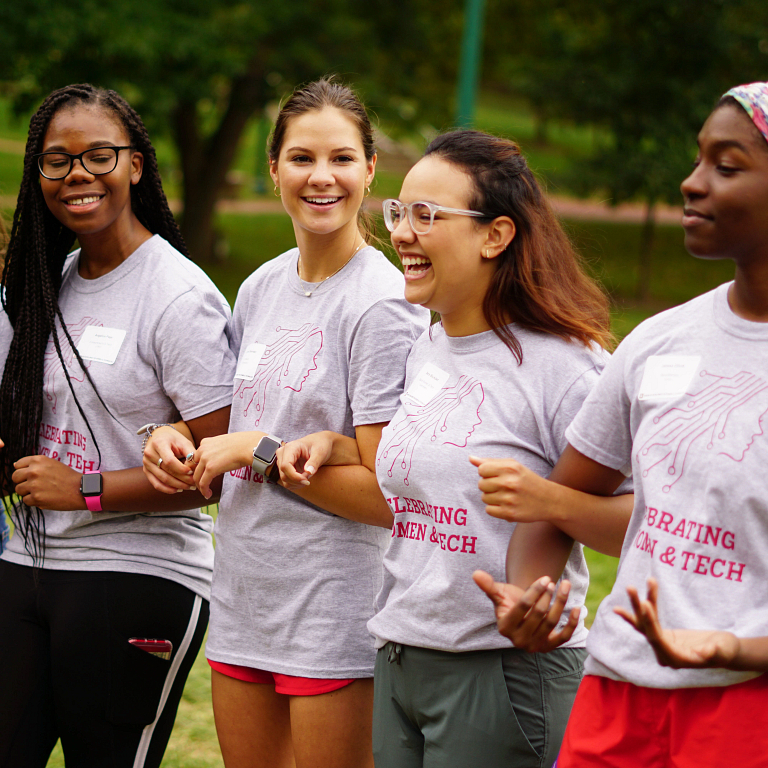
(277, 191)
(367, 191)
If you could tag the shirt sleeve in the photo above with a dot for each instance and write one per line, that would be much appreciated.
(602, 429)
(379, 349)
(570, 404)
(193, 360)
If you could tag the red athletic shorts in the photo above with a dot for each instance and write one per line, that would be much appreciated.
(287, 684)
(617, 725)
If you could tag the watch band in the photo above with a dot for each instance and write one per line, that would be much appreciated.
(93, 502)
(259, 464)
(148, 429)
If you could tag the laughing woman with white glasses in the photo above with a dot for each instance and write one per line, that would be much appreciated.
(519, 346)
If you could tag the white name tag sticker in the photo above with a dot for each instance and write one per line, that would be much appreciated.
(427, 384)
(100, 344)
(667, 376)
(249, 361)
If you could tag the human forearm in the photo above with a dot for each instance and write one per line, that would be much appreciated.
(535, 550)
(129, 490)
(349, 491)
(337, 473)
(576, 498)
(344, 449)
(49, 484)
(752, 655)
(599, 522)
(587, 510)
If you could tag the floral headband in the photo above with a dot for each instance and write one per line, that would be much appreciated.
(754, 98)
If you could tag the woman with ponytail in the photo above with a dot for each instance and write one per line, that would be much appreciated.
(104, 586)
(322, 333)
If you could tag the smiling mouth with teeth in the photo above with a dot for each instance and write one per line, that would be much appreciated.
(322, 200)
(83, 200)
(415, 265)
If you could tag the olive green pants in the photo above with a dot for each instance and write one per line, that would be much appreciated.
(481, 709)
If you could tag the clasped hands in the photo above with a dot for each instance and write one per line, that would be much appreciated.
(214, 456)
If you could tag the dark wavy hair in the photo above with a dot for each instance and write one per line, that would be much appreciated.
(539, 282)
(31, 280)
(314, 96)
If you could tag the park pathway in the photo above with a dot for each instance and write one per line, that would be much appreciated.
(566, 207)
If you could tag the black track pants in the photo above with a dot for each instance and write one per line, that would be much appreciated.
(67, 670)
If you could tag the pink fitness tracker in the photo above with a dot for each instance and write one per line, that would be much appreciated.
(92, 486)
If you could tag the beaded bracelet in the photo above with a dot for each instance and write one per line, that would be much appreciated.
(147, 431)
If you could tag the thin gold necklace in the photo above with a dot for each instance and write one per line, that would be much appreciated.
(318, 284)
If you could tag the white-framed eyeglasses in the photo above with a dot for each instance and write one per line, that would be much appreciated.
(421, 215)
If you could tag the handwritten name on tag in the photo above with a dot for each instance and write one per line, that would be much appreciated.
(429, 381)
(667, 376)
(100, 344)
(249, 361)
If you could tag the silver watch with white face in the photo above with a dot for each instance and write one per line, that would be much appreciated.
(264, 454)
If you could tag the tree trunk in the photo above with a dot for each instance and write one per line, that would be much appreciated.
(205, 162)
(643, 291)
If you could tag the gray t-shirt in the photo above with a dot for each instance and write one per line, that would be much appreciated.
(155, 330)
(468, 396)
(683, 401)
(294, 585)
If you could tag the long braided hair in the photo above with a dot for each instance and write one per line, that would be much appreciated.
(31, 280)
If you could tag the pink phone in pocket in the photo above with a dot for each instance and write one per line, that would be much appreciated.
(160, 648)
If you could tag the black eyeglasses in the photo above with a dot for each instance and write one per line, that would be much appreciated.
(98, 161)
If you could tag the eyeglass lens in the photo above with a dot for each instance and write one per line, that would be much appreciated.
(96, 161)
(419, 216)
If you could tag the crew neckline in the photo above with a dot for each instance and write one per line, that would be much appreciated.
(81, 285)
(730, 322)
(475, 342)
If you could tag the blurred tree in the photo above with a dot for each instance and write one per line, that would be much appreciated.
(200, 69)
(647, 72)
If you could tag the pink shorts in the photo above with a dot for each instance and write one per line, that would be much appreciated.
(287, 684)
(620, 725)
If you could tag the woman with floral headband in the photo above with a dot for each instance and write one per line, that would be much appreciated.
(682, 404)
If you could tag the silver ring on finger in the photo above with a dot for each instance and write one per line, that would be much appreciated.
(159, 462)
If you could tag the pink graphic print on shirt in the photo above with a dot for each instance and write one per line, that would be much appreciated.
(286, 364)
(52, 365)
(459, 403)
(726, 414)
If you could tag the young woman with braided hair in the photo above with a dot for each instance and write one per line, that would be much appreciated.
(91, 342)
